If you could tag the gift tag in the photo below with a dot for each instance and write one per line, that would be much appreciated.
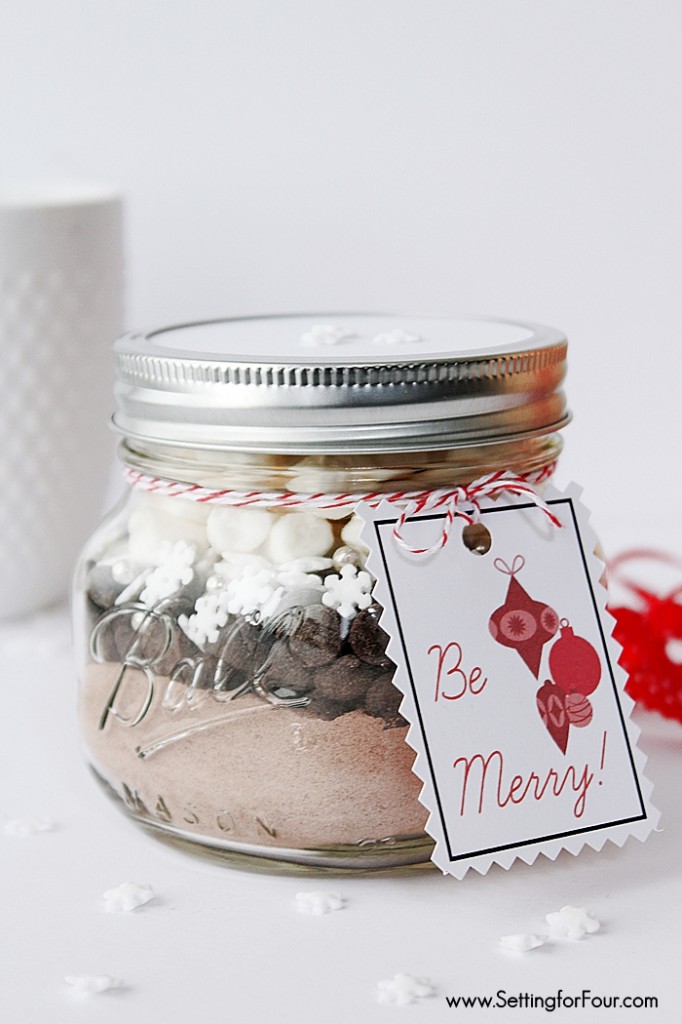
(511, 681)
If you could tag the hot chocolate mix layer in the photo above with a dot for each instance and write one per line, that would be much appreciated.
(246, 770)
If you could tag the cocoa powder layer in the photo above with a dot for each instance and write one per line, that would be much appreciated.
(247, 771)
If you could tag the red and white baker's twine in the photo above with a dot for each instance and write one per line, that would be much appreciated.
(458, 501)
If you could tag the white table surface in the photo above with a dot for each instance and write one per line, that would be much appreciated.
(222, 945)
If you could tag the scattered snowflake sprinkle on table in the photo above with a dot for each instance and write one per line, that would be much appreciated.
(573, 922)
(402, 989)
(319, 902)
(521, 943)
(21, 827)
(92, 984)
(127, 896)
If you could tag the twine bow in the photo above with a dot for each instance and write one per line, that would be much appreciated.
(465, 502)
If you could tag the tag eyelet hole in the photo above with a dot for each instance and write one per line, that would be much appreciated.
(476, 538)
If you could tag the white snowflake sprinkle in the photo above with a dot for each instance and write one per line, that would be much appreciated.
(254, 591)
(573, 922)
(292, 579)
(22, 827)
(349, 592)
(233, 565)
(319, 902)
(209, 617)
(396, 337)
(174, 572)
(403, 989)
(127, 896)
(92, 984)
(521, 943)
(325, 334)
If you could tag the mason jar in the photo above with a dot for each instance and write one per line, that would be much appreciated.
(236, 693)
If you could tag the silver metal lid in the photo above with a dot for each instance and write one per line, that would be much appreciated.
(341, 382)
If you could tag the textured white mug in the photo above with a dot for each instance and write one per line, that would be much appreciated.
(60, 310)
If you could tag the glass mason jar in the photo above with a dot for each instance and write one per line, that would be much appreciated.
(236, 696)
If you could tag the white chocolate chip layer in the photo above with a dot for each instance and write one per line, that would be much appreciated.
(238, 529)
(298, 534)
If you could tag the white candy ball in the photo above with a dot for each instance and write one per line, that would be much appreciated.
(346, 555)
(178, 507)
(310, 563)
(151, 531)
(122, 572)
(332, 513)
(332, 475)
(238, 529)
(351, 535)
(298, 534)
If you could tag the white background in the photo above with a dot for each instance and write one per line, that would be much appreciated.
(512, 157)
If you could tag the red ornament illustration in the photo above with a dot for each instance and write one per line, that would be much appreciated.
(522, 623)
(551, 702)
(578, 709)
(573, 662)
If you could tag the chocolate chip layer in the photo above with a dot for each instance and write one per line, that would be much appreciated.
(241, 646)
(345, 681)
(367, 639)
(317, 640)
(119, 640)
(383, 700)
(283, 671)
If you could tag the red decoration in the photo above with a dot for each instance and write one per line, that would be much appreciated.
(522, 623)
(574, 663)
(551, 702)
(645, 634)
(526, 626)
(578, 709)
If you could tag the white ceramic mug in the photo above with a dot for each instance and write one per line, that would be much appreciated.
(60, 310)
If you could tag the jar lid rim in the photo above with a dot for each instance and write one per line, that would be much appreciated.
(363, 339)
(348, 379)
